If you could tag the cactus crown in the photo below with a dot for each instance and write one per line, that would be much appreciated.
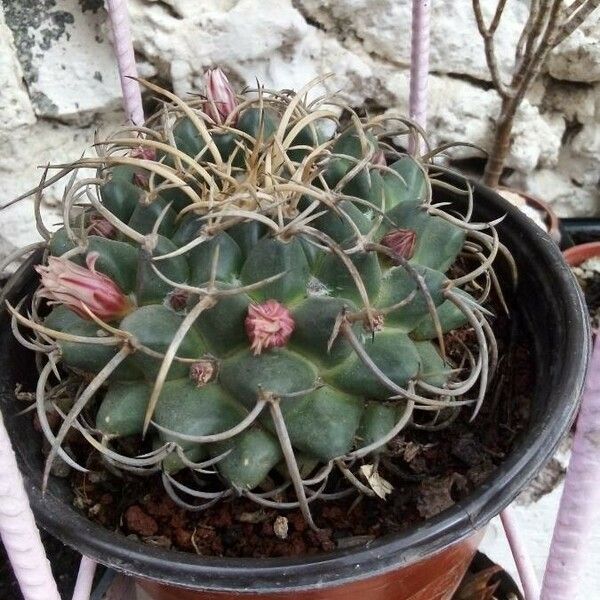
(283, 285)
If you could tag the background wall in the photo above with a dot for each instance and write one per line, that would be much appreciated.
(58, 81)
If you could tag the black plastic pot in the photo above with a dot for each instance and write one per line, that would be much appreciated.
(550, 307)
(579, 230)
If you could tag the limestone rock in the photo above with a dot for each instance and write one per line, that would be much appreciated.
(576, 102)
(460, 111)
(556, 187)
(15, 106)
(572, 186)
(251, 39)
(23, 151)
(382, 27)
(581, 160)
(536, 139)
(586, 147)
(578, 57)
(67, 60)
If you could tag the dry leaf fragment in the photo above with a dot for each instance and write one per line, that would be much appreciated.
(410, 451)
(479, 586)
(436, 494)
(377, 483)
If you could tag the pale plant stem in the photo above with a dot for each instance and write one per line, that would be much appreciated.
(547, 25)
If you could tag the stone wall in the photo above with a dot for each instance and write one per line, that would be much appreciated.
(59, 83)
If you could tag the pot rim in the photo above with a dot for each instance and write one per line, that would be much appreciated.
(386, 553)
(580, 253)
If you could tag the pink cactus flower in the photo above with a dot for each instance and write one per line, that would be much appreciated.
(78, 288)
(401, 241)
(268, 325)
(221, 100)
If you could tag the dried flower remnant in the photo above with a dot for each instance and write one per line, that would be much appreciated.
(203, 372)
(268, 325)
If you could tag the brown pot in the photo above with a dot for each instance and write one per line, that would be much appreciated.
(436, 577)
(549, 216)
(579, 254)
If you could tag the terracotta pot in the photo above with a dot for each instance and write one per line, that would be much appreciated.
(425, 562)
(578, 254)
(435, 578)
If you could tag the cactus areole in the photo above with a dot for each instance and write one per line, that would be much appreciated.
(259, 290)
(268, 325)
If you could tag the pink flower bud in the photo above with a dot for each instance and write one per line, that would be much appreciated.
(64, 282)
(379, 158)
(101, 227)
(268, 325)
(178, 299)
(142, 179)
(221, 100)
(143, 152)
(401, 242)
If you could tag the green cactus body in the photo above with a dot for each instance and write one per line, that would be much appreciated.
(311, 277)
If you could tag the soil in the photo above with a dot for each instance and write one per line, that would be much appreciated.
(588, 276)
(429, 472)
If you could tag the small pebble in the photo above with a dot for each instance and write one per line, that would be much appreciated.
(280, 527)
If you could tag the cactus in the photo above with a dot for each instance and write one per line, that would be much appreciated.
(260, 301)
